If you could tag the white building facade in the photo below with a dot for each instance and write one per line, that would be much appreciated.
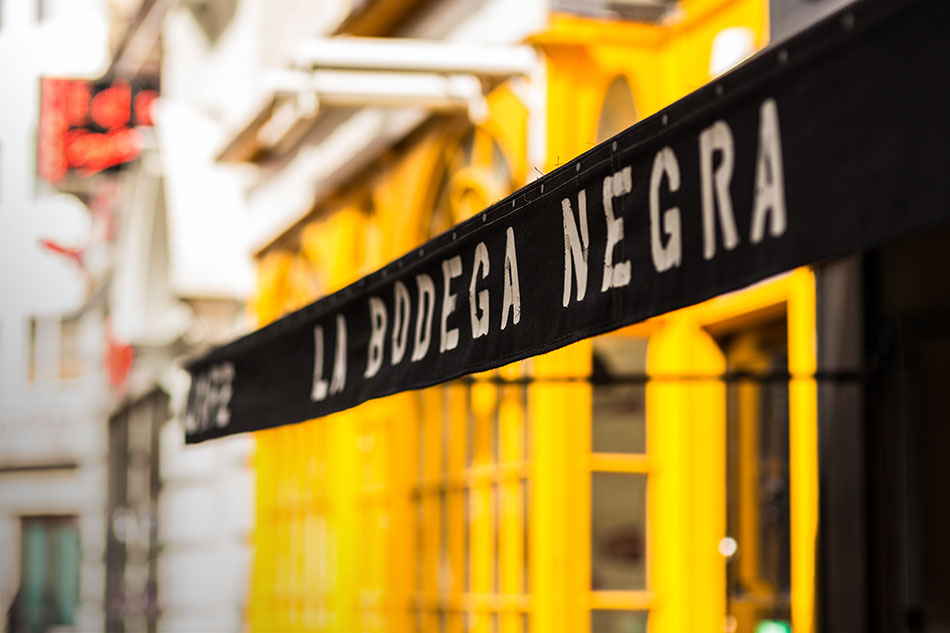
(52, 440)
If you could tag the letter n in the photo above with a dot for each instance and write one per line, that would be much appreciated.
(575, 247)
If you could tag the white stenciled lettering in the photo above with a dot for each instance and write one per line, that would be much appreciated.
(717, 138)
(665, 257)
(449, 339)
(401, 311)
(377, 336)
(575, 247)
(320, 386)
(191, 410)
(424, 312)
(222, 377)
(616, 275)
(338, 380)
(202, 401)
(479, 310)
(769, 201)
(210, 400)
(511, 300)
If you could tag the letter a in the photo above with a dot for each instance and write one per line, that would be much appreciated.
(511, 300)
(769, 181)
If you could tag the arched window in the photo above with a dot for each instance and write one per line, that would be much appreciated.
(618, 111)
(474, 173)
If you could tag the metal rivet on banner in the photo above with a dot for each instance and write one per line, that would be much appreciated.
(485, 217)
(512, 204)
(453, 236)
(783, 56)
(542, 187)
(847, 21)
(665, 119)
(422, 252)
(577, 167)
(613, 146)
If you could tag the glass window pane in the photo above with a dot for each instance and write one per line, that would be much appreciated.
(420, 544)
(618, 111)
(49, 589)
(496, 536)
(526, 546)
(619, 399)
(619, 419)
(603, 621)
(758, 574)
(618, 531)
(445, 558)
(468, 539)
(33, 574)
(69, 360)
(68, 590)
(483, 425)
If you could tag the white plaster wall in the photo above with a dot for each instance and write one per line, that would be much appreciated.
(205, 527)
(79, 492)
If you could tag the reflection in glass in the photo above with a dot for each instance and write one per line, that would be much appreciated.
(619, 420)
(618, 111)
(619, 399)
(618, 531)
(757, 480)
(603, 621)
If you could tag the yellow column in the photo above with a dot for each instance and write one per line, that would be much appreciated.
(456, 454)
(512, 520)
(686, 487)
(403, 469)
(803, 447)
(430, 527)
(344, 526)
(559, 418)
(482, 502)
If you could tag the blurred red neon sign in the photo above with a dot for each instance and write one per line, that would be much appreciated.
(89, 127)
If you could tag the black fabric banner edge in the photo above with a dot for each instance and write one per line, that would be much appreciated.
(773, 63)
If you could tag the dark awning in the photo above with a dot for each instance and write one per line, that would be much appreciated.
(831, 143)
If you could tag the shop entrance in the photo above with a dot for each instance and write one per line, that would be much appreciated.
(700, 518)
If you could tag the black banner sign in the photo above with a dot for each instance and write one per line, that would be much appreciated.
(828, 144)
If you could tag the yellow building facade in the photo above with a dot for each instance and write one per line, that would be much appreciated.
(662, 478)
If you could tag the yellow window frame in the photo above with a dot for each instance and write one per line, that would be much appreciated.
(683, 593)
